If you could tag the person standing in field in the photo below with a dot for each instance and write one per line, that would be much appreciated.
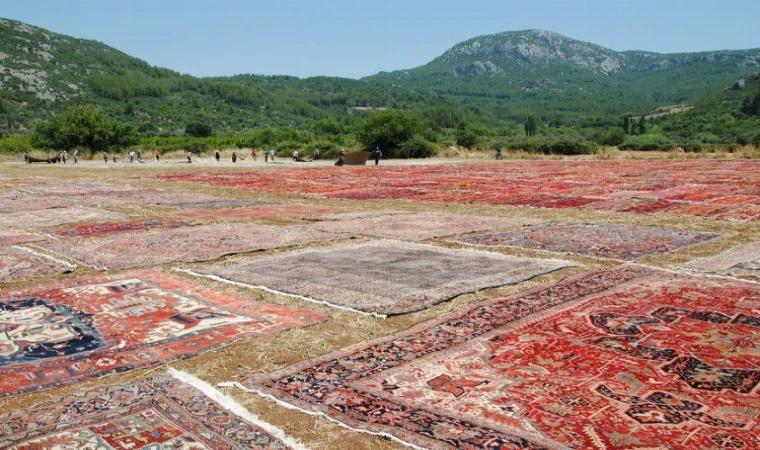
(189, 157)
(158, 156)
(253, 154)
(75, 155)
(378, 154)
(105, 157)
(316, 154)
(295, 155)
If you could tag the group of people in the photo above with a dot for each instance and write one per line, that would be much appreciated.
(134, 155)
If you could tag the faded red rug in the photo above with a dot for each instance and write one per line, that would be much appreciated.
(18, 263)
(423, 226)
(57, 216)
(11, 237)
(185, 244)
(170, 412)
(83, 329)
(628, 358)
(381, 277)
(114, 227)
(256, 212)
(625, 242)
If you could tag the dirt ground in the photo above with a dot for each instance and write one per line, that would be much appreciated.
(265, 353)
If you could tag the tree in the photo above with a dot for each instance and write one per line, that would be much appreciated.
(531, 126)
(388, 129)
(642, 125)
(198, 129)
(613, 137)
(627, 124)
(327, 126)
(83, 126)
(467, 136)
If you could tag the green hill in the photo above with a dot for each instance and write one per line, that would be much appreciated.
(513, 74)
(43, 72)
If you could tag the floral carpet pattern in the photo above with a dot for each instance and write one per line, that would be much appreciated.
(743, 261)
(152, 414)
(381, 277)
(422, 226)
(114, 227)
(18, 263)
(729, 186)
(185, 244)
(82, 329)
(624, 242)
(57, 216)
(627, 358)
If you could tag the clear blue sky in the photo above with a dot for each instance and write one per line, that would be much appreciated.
(361, 37)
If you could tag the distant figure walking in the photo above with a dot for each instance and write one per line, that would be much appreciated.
(75, 155)
(378, 154)
(105, 157)
(295, 155)
(498, 152)
(158, 156)
(139, 155)
(131, 156)
(234, 156)
(26, 156)
(316, 154)
(271, 155)
(64, 156)
(253, 154)
(217, 156)
(189, 157)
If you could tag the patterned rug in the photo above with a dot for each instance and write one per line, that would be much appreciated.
(18, 263)
(629, 358)
(82, 188)
(217, 203)
(186, 244)
(256, 212)
(82, 329)
(11, 237)
(166, 412)
(114, 227)
(57, 216)
(634, 186)
(148, 197)
(743, 260)
(422, 226)
(623, 242)
(381, 277)
(28, 203)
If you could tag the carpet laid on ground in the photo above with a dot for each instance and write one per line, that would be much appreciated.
(77, 188)
(185, 244)
(630, 358)
(82, 329)
(28, 203)
(18, 263)
(640, 186)
(57, 216)
(743, 260)
(256, 212)
(381, 277)
(114, 227)
(170, 412)
(623, 242)
(11, 237)
(422, 226)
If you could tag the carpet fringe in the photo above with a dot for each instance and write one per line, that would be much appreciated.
(71, 266)
(318, 414)
(235, 407)
(273, 291)
(678, 270)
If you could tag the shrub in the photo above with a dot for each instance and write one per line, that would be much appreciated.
(416, 147)
(467, 138)
(15, 143)
(388, 129)
(612, 137)
(197, 129)
(756, 141)
(83, 126)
